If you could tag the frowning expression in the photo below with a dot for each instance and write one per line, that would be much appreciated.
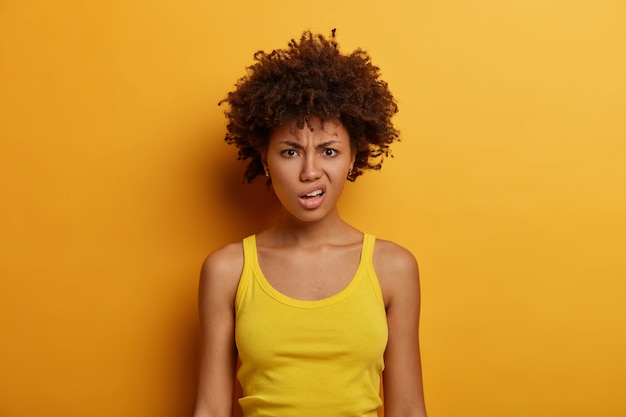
(309, 167)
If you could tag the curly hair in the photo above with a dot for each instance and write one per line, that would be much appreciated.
(311, 78)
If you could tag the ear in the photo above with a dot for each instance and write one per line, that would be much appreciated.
(264, 163)
(352, 158)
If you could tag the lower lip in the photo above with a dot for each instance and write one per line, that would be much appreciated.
(311, 203)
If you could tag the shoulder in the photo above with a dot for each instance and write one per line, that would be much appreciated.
(221, 271)
(225, 260)
(396, 268)
(389, 257)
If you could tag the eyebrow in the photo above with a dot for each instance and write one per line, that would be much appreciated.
(299, 146)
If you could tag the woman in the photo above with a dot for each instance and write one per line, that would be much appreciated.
(312, 309)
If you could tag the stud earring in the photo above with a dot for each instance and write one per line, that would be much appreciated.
(267, 174)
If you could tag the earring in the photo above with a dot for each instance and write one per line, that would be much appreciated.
(267, 174)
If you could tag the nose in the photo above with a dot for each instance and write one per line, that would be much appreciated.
(311, 169)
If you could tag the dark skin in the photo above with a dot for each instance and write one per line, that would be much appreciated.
(310, 253)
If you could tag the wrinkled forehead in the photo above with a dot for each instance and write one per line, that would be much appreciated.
(315, 129)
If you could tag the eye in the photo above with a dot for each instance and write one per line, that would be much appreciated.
(289, 153)
(330, 152)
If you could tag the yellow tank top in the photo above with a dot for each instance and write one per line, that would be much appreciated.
(320, 358)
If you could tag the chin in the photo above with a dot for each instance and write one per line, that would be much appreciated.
(312, 216)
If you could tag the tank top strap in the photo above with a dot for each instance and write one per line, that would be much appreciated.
(369, 241)
(368, 246)
(249, 249)
(249, 259)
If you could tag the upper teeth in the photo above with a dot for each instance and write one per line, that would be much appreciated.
(314, 193)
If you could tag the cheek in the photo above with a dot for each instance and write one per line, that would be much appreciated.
(344, 168)
(282, 179)
(280, 172)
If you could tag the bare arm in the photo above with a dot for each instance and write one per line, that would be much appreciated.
(218, 355)
(402, 377)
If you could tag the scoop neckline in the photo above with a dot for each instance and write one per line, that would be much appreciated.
(259, 276)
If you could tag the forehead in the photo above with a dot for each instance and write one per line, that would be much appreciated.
(316, 130)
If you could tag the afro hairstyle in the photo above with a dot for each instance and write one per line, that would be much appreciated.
(311, 78)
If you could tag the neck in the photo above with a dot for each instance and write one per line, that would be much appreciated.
(290, 230)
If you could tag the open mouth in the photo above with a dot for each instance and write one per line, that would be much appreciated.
(313, 194)
(313, 199)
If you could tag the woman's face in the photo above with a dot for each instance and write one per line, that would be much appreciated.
(309, 168)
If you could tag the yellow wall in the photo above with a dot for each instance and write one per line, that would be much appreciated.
(509, 186)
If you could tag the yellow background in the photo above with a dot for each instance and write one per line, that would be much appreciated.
(509, 186)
